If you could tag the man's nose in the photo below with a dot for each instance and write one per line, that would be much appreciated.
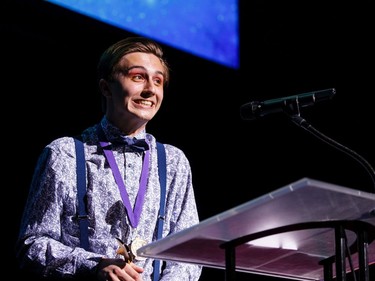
(150, 87)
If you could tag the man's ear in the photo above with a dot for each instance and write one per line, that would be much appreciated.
(104, 88)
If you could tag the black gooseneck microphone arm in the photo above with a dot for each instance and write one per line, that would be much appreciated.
(291, 106)
(301, 122)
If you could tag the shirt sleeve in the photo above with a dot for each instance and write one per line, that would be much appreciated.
(183, 214)
(41, 248)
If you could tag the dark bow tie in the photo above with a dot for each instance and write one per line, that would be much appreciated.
(138, 145)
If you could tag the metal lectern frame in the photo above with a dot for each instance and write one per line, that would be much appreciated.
(306, 231)
(365, 234)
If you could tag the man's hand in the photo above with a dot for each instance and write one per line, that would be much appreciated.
(118, 270)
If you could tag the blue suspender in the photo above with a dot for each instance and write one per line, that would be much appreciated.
(81, 186)
(163, 183)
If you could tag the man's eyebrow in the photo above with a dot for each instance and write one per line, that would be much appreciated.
(135, 66)
(142, 67)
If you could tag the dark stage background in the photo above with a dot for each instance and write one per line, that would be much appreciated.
(48, 61)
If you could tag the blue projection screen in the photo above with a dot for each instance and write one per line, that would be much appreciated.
(208, 28)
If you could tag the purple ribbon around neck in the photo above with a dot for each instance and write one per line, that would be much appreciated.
(133, 215)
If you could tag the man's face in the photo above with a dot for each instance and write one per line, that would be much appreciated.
(136, 92)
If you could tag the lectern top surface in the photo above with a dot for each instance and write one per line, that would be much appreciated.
(290, 229)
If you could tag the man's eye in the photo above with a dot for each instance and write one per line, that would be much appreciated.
(137, 77)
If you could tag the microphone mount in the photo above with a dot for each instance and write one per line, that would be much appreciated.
(302, 123)
(291, 107)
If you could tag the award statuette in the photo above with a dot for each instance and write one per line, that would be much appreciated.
(124, 251)
(135, 245)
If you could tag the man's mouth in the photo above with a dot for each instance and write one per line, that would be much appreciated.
(144, 102)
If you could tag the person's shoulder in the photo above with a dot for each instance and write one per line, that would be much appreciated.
(171, 151)
(61, 142)
(175, 152)
(173, 148)
(61, 145)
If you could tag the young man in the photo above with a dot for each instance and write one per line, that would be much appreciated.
(122, 183)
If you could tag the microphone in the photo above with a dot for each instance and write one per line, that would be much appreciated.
(256, 109)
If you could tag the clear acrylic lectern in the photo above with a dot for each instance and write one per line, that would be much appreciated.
(302, 231)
